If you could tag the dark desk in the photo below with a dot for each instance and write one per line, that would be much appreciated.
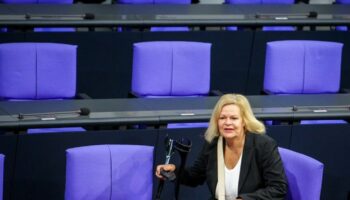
(171, 15)
(166, 110)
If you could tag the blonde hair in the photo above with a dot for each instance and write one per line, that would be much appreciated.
(251, 123)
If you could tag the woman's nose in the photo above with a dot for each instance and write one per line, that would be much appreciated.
(228, 121)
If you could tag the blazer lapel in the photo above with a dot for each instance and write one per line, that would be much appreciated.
(248, 153)
(213, 168)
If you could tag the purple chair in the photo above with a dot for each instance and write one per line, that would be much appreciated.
(33, 71)
(38, 71)
(2, 161)
(160, 29)
(304, 175)
(171, 68)
(303, 67)
(107, 172)
(264, 28)
(42, 29)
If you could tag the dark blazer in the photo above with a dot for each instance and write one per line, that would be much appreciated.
(262, 173)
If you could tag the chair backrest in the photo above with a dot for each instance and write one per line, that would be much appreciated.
(37, 71)
(107, 172)
(171, 68)
(304, 175)
(2, 162)
(302, 67)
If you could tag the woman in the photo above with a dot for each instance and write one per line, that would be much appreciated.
(237, 161)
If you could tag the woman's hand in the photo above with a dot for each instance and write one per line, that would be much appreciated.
(168, 168)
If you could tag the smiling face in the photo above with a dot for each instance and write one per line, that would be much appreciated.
(230, 122)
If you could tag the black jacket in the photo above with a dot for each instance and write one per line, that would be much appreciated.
(262, 173)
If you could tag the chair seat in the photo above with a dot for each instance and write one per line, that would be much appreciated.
(44, 29)
(341, 28)
(188, 125)
(55, 130)
(278, 28)
(169, 29)
(304, 122)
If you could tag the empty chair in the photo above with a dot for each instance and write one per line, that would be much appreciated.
(42, 29)
(160, 29)
(302, 67)
(304, 175)
(106, 172)
(34, 71)
(264, 28)
(38, 71)
(2, 161)
(171, 69)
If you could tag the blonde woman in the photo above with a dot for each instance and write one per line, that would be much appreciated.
(238, 161)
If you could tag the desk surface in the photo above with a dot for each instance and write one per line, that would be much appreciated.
(171, 15)
(166, 110)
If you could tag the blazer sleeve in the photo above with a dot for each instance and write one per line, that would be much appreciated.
(276, 185)
(196, 174)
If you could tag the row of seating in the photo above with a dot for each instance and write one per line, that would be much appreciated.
(33, 71)
(100, 172)
(167, 68)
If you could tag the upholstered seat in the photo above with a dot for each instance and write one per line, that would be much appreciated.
(33, 71)
(304, 175)
(165, 69)
(303, 67)
(106, 172)
(38, 71)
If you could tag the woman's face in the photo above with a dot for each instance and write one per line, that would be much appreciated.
(230, 122)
